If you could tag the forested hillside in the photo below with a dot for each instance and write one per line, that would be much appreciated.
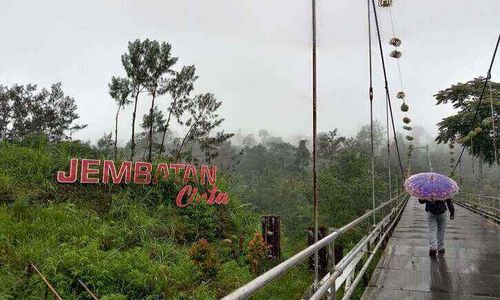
(123, 241)
(134, 241)
(131, 241)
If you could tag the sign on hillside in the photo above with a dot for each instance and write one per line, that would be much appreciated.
(89, 171)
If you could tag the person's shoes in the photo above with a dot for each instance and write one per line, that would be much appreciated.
(442, 251)
(432, 252)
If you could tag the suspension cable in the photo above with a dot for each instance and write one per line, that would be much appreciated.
(488, 76)
(494, 138)
(370, 95)
(388, 136)
(392, 23)
(397, 58)
(387, 87)
(314, 117)
(405, 101)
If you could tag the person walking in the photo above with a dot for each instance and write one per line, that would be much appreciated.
(436, 223)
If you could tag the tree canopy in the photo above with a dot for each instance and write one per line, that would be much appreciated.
(151, 68)
(475, 133)
(25, 111)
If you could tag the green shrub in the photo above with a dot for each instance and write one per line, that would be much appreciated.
(256, 253)
(205, 259)
(123, 241)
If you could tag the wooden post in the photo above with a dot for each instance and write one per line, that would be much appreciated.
(322, 253)
(272, 235)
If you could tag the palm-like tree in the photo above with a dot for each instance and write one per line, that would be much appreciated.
(134, 63)
(119, 90)
(159, 62)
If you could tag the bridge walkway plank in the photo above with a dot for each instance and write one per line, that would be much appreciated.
(470, 268)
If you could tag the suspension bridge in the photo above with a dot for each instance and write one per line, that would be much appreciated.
(470, 268)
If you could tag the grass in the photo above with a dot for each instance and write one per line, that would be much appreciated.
(124, 242)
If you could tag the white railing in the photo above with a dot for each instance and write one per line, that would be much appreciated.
(379, 235)
(346, 264)
(484, 205)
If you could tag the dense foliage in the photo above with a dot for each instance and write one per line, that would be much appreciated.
(24, 110)
(132, 242)
(477, 105)
(275, 177)
(150, 67)
(471, 126)
(123, 241)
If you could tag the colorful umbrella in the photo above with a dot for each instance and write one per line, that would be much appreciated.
(431, 186)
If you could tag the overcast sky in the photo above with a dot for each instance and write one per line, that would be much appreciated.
(253, 54)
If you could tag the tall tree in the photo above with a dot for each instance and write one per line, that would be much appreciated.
(179, 88)
(159, 63)
(329, 144)
(155, 121)
(5, 111)
(282, 155)
(119, 90)
(134, 64)
(475, 134)
(22, 100)
(210, 145)
(27, 111)
(249, 141)
(364, 135)
(149, 66)
(203, 118)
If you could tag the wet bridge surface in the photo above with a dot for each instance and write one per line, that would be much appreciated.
(470, 268)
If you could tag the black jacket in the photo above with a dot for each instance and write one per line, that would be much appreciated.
(438, 207)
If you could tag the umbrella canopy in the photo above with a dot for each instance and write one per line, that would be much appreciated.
(431, 186)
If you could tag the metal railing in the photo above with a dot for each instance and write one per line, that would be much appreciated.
(484, 205)
(350, 289)
(330, 285)
(263, 280)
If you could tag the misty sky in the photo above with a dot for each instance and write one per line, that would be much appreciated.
(253, 54)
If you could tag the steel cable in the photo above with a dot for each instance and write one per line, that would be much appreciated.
(488, 76)
(387, 87)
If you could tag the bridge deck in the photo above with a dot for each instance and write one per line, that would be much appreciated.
(470, 269)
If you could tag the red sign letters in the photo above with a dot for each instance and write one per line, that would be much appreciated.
(89, 171)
